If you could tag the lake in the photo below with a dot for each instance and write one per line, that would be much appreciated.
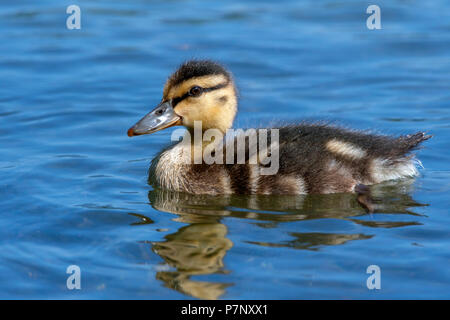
(73, 186)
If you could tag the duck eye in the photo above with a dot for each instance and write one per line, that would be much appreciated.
(195, 91)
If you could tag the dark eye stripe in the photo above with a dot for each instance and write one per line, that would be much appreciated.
(177, 100)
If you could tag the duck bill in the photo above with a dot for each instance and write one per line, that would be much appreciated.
(163, 116)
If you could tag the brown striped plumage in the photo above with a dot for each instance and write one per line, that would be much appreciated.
(313, 158)
(306, 165)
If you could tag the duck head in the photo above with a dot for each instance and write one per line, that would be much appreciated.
(200, 90)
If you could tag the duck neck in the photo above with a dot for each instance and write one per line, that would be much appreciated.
(203, 142)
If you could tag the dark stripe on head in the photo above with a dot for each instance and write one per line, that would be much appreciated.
(197, 68)
(177, 100)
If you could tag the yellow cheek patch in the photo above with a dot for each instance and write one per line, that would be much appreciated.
(215, 108)
(182, 108)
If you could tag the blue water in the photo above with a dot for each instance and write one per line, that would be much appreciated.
(73, 186)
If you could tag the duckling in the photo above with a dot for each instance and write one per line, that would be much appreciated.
(311, 157)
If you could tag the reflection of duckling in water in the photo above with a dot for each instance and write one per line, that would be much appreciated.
(313, 158)
(197, 249)
(200, 247)
(389, 197)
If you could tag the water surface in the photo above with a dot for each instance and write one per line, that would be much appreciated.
(73, 186)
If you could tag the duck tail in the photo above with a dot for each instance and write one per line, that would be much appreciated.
(412, 141)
